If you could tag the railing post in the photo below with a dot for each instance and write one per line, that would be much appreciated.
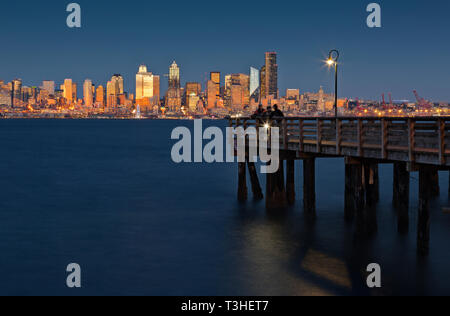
(319, 135)
(302, 128)
(360, 137)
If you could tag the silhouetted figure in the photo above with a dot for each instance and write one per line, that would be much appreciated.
(259, 112)
(276, 113)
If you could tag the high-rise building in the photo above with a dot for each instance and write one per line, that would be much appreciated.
(213, 89)
(68, 91)
(114, 88)
(74, 92)
(271, 76)
(48, 86)
(254, 83)
(147, 89)
(237, 91)
(100, 96)
(173, 101)
(144, 84)
(87, 93)
(262, 80)
(193, 91)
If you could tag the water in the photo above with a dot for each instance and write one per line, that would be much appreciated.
(106, 195)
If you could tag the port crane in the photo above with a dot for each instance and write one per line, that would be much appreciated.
(421, 102)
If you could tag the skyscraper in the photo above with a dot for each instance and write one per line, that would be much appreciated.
(254, 83)
(147, 89)
(237, 91)
(68, 91)
(173, 101)
(114, 89)
(271, 76)
(100, 96)
(144, 84)
(87, 93)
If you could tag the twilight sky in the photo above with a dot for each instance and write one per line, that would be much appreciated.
(411, 50)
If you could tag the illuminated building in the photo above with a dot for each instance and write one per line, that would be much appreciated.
(68, 90)
(144, 84)
(271, 75)
(147, 89)
(87, 93)
(173, 101)
(254, 83)
(193, 90)
(100, 96)
(48, 86)
(237, 91)
(213, 89)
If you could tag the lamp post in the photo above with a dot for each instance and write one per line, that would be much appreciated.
(333, 58)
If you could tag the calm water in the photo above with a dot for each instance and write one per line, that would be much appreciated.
(106, 195)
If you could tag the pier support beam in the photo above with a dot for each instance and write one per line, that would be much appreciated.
(290, 181)
(350, 208)
(242, 182)
(434, 182)
(309, 186)
(275, 189)
(371, 183)
(401, 195)
(423, 229)
(256, 187)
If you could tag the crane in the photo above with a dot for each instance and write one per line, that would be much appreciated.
(421, 102)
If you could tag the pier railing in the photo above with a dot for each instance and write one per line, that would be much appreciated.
(424, 140)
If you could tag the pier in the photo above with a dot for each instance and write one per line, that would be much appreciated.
(411, 144)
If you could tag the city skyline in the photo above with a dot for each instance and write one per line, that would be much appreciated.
(407, 53)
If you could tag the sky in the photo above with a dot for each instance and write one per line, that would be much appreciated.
(410, 51)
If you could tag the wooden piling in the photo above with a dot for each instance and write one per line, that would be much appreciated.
(423, 229)
(275, 189)
(256, 187)
(290, 181)
(349, 193)
(242, 182)
(401, 195)
(434, 182)
(371, 192)
(309, 186)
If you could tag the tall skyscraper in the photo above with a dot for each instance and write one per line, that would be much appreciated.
(68, 91)
(147, 89)
(213, 89)
(173, 100)
(114, 89)
(87, 93)
(271, 76)
(100, 96)
(144, 84)
(262, 83)
(254, 83)
(237, 91)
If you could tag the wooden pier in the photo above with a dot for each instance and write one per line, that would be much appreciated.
(419, 144)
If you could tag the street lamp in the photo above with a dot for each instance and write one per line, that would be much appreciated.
(333, 58)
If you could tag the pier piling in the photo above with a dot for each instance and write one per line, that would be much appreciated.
(400, 199)
(423, 229)
(290, 181)
(242, 182)
(309, 186)
(256, 186)
(275, 189)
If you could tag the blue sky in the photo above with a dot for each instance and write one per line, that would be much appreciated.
(411, 50)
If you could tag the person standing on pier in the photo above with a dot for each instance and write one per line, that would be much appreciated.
(277, 112)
